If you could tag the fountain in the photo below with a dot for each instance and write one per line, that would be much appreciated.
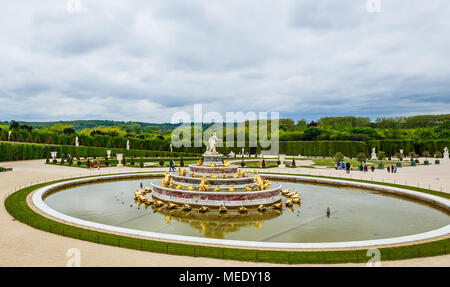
(215, 183)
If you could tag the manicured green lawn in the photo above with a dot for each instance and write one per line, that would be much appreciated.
(16, 205)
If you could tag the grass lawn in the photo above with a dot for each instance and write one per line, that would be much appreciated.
(16, 205)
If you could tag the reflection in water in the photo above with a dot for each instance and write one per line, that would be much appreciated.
(218, 225)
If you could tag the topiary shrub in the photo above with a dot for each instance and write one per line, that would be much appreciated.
(339, 156)
(161, 162)
(181, 162)
(88, 163)
(132, 162)
(79, 162)
(141, 162)
(242, 162)
(293, 163)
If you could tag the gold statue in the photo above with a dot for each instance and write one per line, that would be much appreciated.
(170, 184)
(231, 189)
(261, 208)
(190, 188)
(217, 189)
(203, 209)
(245, 174)
(193, 174)
(211, 164)
(278, 206)
(212, 175)
(289, 203)
(286, 191)
(224, 175)
(171, 205)
(165, 181)
(222, 209)
(236, 175)
(179, 186)
(248, 188)
(203, 186)
(199, 162)
(226, 163)
(186, 207)
(243, 209)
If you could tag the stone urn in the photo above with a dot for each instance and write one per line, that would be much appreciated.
(119, 159)
(282, 158)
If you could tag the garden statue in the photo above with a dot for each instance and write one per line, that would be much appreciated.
(9, 135)
(446, 152)
(212, 144)
(76, 141)
(128, 144)
(53, 153)
(374, 154)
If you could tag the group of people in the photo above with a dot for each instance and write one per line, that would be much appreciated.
(392, 168)
(344, 166)
(92, 165)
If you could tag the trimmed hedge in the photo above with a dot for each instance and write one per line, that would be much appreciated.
(10, 151)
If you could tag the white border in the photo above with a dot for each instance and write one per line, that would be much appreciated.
(40, 204)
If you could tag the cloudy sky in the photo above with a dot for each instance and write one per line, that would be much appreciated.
(144, 60)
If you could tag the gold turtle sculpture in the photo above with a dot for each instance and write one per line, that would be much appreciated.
(212, 175)
(179, 186)
(278, 205)
(217, 189)
(248, 188)
(243, 209)
(222, 209)
(203, 209)
(226, 163)
(261, 208)
(186, 207)
(171, 205)
(158, 203)
(285, 191)
(190, 188)
(289, 203)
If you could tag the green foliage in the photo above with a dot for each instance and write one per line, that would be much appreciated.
(381, 155)
(132, 162)
(339, 156)
(141, 162)
(438, 154)
(361, 157)
(181, 162)
(161, 162)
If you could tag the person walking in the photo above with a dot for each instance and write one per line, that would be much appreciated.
(92, 164)
(347, 167)
(389, 169)
(98, 164)
(172, 165)
(372, 168)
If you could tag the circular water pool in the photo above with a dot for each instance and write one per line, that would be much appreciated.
(356, 214)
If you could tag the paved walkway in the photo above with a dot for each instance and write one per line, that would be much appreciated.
(22, 245)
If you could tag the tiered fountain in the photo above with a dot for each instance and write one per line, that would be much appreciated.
(214, 183)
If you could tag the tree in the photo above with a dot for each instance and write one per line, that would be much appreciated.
(11, 137)
(339, 156)
(399, 156)
(181, 162)
(437, 154)
(14, 126)
(30, 138)
(161, 162)
(381, 155)
(132, 162)
(426, 154)
(141, 162)
(361, 157)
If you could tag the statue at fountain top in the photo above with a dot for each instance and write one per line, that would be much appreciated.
(212, 144)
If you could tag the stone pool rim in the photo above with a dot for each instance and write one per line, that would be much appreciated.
(38, 195)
